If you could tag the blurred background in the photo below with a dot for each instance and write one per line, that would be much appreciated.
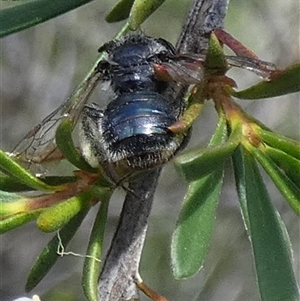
(41, 66)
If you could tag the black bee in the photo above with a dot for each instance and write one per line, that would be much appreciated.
(132, 133)
(132, 130)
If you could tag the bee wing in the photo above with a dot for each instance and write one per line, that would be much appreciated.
(39, 146)
(187, 68)
(259, 67)
(180, 70)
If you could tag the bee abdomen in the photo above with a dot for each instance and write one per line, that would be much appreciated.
(135, 128)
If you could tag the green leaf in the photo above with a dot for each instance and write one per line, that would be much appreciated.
(191, 238)
(283, 82)
(190, 241)
(9, 197)
(10, 184)
(215, 60)
(55, 217)
(49, 255)
(141, 10)
(268, 237)
(91, 269)
(289, 164)
(239, 172)
(29, 14)
(17, 220)
(195, 164)
(64, 141)
(120, 11)
(17, 172)
(289, 146)
(221, 133)
(12, 203)
(282, 182)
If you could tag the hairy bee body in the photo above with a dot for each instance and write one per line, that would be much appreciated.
(133, 128)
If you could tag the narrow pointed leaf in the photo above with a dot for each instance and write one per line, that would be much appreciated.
(284, 82)
(49, 255)
(195, 106)
(195, 164)
(29, 14)
(141, 10)
(221, 133)
(65, 143)
(215, 60)
(91, 269)
(269, 239)
(10, 197)
(120, 11)
(191, 238)
(18, 220)
(10, 184)
(55, 217)
(289, 164)
(12, 203)
(17, 172)
(282, 182)
(236, 46)
(239, 172)
(58, 180)
(289, 146)
(198, 163)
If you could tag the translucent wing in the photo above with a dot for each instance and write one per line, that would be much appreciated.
(39, 146)
(259, 67)
(188, 68)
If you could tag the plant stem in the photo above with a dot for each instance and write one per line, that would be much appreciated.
(117, 280)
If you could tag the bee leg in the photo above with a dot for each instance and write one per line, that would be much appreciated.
(91, 136)
(113, 174)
